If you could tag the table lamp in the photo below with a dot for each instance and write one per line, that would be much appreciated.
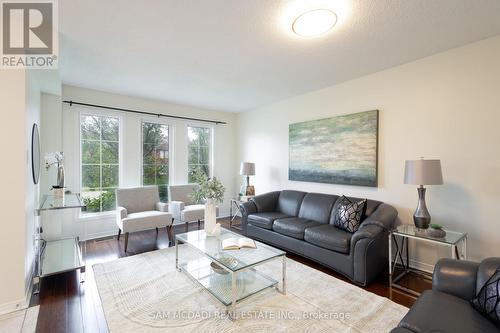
(248, 169)
(423, 172)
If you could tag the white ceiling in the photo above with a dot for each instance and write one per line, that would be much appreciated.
(236, 55)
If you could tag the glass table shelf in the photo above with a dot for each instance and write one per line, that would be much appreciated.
(409, 230)
(69, 200)
(229, 275)
(62, 255)
(248, 283)
(58, 247)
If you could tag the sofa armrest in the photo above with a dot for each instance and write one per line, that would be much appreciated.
(176, 207)
(366, 231)
(162, 207)
(246, 208)
(384, 217)
(456, 277)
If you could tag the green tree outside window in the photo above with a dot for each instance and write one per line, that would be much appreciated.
(100, 156)
(199, 142)
(155, 157)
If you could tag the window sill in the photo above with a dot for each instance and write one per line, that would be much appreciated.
(85, 217)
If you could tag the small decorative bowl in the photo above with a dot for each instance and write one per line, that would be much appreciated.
(436, 233)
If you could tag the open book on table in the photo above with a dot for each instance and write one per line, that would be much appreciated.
(238, 243)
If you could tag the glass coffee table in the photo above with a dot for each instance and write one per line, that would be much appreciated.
(229, 275)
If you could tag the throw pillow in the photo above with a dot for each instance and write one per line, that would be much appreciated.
(487, 301)
(349, 214)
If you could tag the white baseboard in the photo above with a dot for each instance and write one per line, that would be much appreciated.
(13, 306)
(422, 266)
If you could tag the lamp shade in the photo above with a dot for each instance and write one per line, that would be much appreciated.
(247, 169)
(423, 172)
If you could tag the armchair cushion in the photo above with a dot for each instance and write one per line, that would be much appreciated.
(293, 226)
(435, 311)
(182, 193)
(265, 220)
(193, 213)
(329, 237)
(138, 199)
(145, 220)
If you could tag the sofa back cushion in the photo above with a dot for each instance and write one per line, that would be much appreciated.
(266, 202)
(289, 202)
(137, 199)
(317, 207)
(370, 207)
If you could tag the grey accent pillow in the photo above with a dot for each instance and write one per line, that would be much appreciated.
(487, 301)
(349, 214)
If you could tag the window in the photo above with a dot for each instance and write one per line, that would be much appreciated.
(100, 156)
(155, 158)
(199, 142)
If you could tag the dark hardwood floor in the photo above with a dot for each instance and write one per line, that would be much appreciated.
(66, 305)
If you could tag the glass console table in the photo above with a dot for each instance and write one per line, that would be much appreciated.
(58, 247)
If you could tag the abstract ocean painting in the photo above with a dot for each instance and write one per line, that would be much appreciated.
(338, 150)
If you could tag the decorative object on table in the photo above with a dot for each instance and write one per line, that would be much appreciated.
(338, 150)
(35, 153)
(218, 269)
(248, 169)
(226, 260)
(487, 301)
(423, 172)
(239, 243)
(211, 191)
(436, 231)
(57, 160)
(348, 214)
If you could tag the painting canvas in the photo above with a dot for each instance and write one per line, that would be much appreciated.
(338, 150)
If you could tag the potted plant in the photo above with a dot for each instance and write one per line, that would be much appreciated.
(210, 191)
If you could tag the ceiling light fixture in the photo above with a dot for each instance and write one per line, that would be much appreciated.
(314, 22)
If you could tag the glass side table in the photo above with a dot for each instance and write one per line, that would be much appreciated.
(235, 202)
(453, 239)
(57, 251)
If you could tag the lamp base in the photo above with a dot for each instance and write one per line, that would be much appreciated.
(421, 218)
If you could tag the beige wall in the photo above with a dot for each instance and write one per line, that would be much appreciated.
(445, 106)
(20, 95)
(13, 182)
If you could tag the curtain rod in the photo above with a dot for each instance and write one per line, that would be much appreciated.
(216, 122)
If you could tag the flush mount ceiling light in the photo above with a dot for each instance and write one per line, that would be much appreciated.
(314, 22)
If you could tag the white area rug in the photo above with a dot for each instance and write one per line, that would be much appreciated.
(145, 293)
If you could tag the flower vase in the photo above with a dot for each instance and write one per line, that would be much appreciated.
(210, 217)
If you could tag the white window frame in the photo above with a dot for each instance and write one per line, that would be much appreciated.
(171, 136)
(101, 113)
(210, 145)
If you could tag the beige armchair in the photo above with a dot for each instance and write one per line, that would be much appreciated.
(138, 209)
(182, 207)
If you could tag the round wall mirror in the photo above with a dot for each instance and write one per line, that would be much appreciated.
(35, 153)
